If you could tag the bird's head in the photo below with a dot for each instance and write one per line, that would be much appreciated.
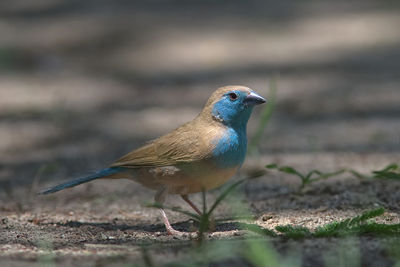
(232, 105)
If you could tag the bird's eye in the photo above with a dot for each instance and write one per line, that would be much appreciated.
(233, 96)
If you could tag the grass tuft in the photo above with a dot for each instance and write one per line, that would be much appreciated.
(306, 178)
(355, 226)
(204, 220)
(257, 229)
(351, 226)
(391, 171)
(293, 231)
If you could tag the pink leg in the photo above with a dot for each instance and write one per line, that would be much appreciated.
(186, 198)
(170, 230)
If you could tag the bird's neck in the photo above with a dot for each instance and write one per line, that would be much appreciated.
(233, 119)
(230, 147)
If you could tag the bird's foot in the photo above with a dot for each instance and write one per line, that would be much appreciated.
(172, 231)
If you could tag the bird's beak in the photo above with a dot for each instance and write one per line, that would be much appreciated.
(254, 99)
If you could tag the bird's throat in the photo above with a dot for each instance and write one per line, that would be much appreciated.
(230, 148)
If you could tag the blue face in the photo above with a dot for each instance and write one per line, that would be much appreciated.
(233, 109)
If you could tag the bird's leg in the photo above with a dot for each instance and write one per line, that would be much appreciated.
(160, 198)
(170, 229)
(191, 204)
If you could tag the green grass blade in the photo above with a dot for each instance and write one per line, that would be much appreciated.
(147, 259)
(326, 174)
(204, 218)
(257, 229)
(388, 172)
(387, 175)
(366, 216)
(379, 229)
(347, 226)
(286, 169)
(261, 254)
(305, 178)
(294, 232)
(225, 194)
(390, 167)
(358, 174)
(265, 117)
(322, 175)
(330, 229)
(203, 195)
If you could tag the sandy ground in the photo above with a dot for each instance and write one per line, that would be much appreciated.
(82, 83)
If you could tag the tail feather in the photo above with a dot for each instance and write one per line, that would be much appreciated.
(100, 174)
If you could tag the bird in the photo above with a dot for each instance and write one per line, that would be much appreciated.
(202, 154)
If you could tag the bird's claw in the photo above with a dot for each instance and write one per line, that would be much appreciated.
(172, 231)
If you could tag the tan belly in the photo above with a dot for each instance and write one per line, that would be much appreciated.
(183, 182)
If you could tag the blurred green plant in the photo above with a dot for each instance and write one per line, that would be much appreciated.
(253, 251)
(346, 227)
(358, 225)
(256, 229)
(265, 117)
(392, 248)
(47, 256)
(147, 259)
(210, 252)
(293, 231)
(260, 253)
(355, 226)
(390, 172)
(345, 254)
(306, 178)
(204, 220)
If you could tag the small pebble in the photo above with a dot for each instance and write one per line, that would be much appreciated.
(266, 217)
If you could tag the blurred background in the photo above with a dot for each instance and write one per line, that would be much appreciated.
(83, 82)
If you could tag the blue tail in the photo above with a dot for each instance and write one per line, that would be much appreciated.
(100, 174)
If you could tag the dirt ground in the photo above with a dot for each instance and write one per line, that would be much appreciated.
(83, 82)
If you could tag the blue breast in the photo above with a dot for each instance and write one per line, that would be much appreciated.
(230, 149)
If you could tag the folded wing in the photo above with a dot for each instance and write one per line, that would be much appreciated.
(189, 143)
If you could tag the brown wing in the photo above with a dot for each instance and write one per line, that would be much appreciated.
(188, 143)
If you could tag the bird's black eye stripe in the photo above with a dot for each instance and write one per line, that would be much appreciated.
(233, 96)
